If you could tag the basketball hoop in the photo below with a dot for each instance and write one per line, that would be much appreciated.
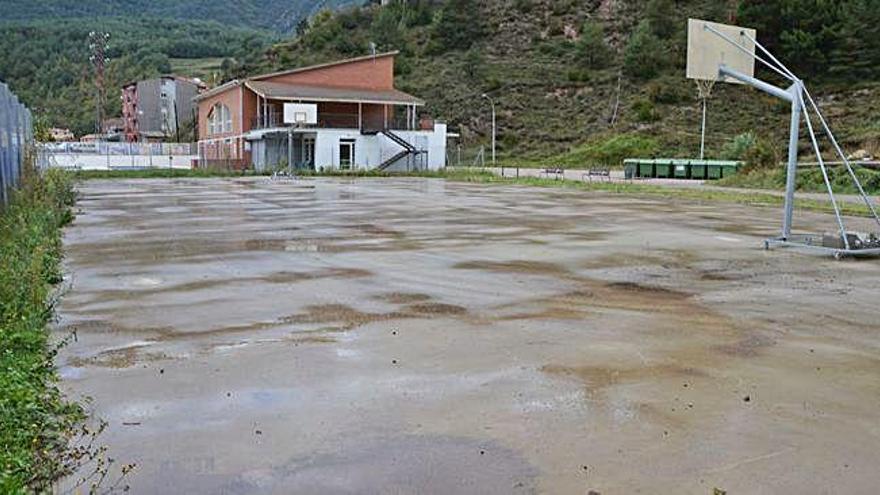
(704, 88)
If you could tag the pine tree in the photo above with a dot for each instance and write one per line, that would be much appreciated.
(591, 48)
(645, 54)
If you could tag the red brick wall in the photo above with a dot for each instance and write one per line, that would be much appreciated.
(375, 73)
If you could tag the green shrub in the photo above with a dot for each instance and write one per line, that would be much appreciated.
(645, 111)
(741, 144)
(35, 420)
(668, 90)
(578, 75)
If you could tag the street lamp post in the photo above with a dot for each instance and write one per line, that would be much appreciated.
(492, 103)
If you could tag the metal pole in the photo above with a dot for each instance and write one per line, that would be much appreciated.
(494, 132)
(703, 132)
(791, 178)
(290, 153)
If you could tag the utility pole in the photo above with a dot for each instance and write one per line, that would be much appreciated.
(98, 44)
(494, 128)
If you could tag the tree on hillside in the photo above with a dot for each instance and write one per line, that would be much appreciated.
(801, 32)
(591, 48)
(858, 49)
(387, 26)
(661, 15)
(645, 54)
(457, 26)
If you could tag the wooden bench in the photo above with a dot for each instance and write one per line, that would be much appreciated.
(556, 172)
(599, 173)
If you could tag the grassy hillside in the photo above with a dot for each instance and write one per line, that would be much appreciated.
(558, 70)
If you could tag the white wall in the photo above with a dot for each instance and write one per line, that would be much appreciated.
(371, 151)
(105, 162)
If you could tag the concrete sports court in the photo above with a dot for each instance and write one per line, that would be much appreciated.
(421, 336)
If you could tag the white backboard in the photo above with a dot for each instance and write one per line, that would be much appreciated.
(300, 113)
(707, 50)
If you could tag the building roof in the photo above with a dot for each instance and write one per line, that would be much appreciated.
(324, 66)
(219, 89)
(195, 81)
(295, 92)
(251, 80)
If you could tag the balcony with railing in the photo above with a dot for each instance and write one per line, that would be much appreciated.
(275, 120)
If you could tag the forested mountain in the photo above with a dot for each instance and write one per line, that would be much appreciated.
(44, 54)
(281, 15)
(47, 62)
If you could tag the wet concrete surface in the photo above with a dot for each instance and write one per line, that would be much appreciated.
(417, 336)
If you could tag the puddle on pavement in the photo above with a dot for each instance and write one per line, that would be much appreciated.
(278, 278)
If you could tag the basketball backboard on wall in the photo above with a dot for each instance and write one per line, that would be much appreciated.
(711, 45)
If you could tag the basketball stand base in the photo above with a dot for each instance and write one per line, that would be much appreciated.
(820, 244)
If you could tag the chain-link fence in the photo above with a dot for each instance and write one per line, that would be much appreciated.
(16, 135)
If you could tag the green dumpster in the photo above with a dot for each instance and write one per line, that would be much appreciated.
(714, 171)
(729, 170)
(699, 171)
(646, 169)
(682, 169)
(663, 169)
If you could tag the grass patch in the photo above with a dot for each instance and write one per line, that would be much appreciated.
(808, 179)
(609, 152)
(35, 419)
(756, 198)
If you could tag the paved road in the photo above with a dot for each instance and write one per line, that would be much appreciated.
(417, 336)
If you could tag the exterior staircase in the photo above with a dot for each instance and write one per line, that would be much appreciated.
(407, 150)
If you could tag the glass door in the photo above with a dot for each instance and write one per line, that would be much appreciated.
(307, 160)
(346, 155)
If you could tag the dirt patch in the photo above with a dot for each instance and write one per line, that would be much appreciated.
(436, 309)
(403, 297)
(312, 339)
(598, 378)
(749, 346)
(118, 358)
(524, 267)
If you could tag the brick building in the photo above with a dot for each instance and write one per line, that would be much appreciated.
(345, 115)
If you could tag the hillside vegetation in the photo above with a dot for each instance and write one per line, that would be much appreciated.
(44, 53)
(47, 65)
(281, 15)
(569, 76)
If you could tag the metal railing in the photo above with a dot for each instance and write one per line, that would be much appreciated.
(274, 120)
(16, 135)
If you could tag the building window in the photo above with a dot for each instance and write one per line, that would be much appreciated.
(219, 119)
